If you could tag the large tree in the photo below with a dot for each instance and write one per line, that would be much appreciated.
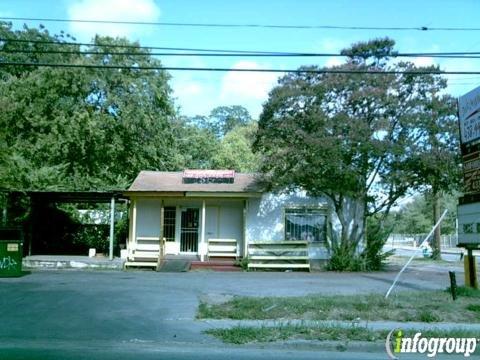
(416, 217)
(235, 150)
(197, 145)
(81, 128)
(223, 119)
(357, 138)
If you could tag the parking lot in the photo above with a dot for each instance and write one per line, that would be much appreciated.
(54, 309)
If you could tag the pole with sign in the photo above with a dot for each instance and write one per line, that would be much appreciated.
(469, 205)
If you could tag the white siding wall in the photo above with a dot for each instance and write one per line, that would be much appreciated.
(231, 222)
(148, 217)
(266, 218)
(224, 219)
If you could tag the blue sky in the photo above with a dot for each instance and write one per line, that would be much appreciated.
(198, 92)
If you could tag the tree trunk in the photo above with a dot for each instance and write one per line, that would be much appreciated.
(436, 242)
(351, 215)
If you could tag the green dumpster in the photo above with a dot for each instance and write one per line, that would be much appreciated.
(11, 254)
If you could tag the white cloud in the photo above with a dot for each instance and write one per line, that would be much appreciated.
(333, 45)
(196, 93)
(423, 61)
(249, 89)
(251, 85)
(112, 10)
(188, 89)
(460, 84)
(333, 61)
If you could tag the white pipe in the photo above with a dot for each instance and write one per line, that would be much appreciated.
(202, 238)
(112, 225)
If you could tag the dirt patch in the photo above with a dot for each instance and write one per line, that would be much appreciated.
(215, 298)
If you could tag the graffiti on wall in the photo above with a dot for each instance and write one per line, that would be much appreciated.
(7, 263)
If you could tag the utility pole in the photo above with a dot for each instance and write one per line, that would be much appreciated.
(437, 235)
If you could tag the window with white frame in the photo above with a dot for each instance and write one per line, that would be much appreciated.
(306, 224)
(169, 216)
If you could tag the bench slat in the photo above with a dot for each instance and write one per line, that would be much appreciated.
(293, 257)
(286, 266)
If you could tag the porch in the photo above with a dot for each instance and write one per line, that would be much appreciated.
(196, 228)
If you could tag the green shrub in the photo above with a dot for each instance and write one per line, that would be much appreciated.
(343, 258)
(372, 258)
(93, 236)
(243, 263)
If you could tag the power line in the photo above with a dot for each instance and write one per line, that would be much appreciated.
(211, 52)
(238, 25)
(46, 42)
(227, 54)
(463, 84)
(219, 69)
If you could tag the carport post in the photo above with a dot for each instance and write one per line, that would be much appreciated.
(112, 225)
(202, 237)
(4, 212)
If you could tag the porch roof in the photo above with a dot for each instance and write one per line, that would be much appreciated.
(171, 181)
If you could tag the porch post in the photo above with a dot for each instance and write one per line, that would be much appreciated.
(162, 219)
(5, 210)
(161, 243)
(245, 242)
(112, 226)
(133, 238)
(202, 247)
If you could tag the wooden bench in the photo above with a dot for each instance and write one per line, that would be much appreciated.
(222, 248)
(278, 255)
(147, 253)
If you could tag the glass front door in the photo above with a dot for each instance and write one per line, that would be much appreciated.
(189, 230)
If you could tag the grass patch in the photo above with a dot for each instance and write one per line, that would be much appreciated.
(467, 292)
(422, 306)
(474, 308)
(244, 335)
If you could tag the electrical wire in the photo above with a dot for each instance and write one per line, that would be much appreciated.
(228, 54)
(245, 25)
(219, 69)
(215, 52)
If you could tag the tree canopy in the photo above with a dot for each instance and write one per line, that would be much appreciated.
(224, 119)
(415, 216)
(82, 128)
(363, 140)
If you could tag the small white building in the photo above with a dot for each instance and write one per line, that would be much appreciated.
(193, 208)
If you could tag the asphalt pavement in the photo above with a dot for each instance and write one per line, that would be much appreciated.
(144, 315)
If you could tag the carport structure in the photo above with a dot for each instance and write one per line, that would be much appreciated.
(43, 198)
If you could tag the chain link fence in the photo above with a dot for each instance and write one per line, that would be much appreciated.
(399, 240)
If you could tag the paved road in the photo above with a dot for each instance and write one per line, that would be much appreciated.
(109, 314)
(182, 352)
(447, 255)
